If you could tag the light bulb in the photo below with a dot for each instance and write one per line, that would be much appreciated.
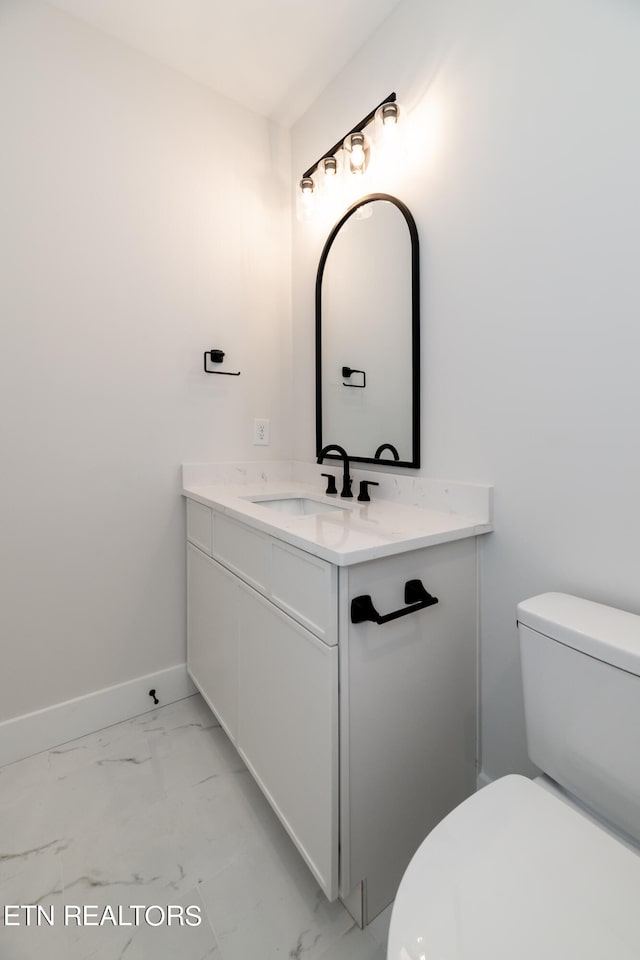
(357, 157)
(357, 149)
(386, 123)
(330, 167)
(305, 202)
(331, 186)
(390, 137)
(389, 113)
(364, 211)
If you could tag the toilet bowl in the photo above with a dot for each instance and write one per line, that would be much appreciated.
(547, 868)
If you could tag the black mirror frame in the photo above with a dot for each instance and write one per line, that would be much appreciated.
(415, 332)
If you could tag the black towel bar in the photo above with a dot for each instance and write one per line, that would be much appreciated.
(362, 608)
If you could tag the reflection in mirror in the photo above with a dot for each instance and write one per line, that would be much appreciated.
(367, 335)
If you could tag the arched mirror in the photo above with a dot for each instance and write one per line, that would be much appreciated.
(368, 335)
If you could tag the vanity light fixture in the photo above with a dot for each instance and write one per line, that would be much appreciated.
(355, 147)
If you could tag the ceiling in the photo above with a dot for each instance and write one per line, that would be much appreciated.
(273, 56)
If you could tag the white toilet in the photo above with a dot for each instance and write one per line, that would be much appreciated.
(546, 869)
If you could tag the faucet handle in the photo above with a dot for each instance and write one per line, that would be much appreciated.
(331, 482)
(364, 489)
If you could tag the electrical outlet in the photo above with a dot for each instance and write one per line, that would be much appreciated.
(260, 433)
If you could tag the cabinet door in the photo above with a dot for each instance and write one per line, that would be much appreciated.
(212, 635)
(408, 712)
(288, 728)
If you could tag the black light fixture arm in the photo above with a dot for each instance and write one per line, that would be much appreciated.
(357, 129)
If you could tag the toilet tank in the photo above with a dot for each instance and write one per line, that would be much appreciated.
(581, 681)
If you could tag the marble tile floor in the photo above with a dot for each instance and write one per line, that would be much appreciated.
(159, 811)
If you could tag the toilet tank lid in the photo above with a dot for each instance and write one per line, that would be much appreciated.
(609, 634)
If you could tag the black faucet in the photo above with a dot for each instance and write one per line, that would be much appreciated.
(346, 479)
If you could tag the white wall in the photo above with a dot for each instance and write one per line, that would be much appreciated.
(143, 219)
(524, 184)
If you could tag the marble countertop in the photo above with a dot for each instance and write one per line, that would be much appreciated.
(351, 532)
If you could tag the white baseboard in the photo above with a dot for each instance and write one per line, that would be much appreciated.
(23, 736)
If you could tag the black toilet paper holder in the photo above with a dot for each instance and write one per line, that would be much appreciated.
(217, 356)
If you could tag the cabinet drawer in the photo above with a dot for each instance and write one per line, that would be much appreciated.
(302, 585)
(242, 550)
(306, 588)
(199, 520)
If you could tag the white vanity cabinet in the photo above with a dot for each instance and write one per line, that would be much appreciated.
(361, 736)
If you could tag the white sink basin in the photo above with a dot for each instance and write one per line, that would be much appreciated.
(296, 506)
